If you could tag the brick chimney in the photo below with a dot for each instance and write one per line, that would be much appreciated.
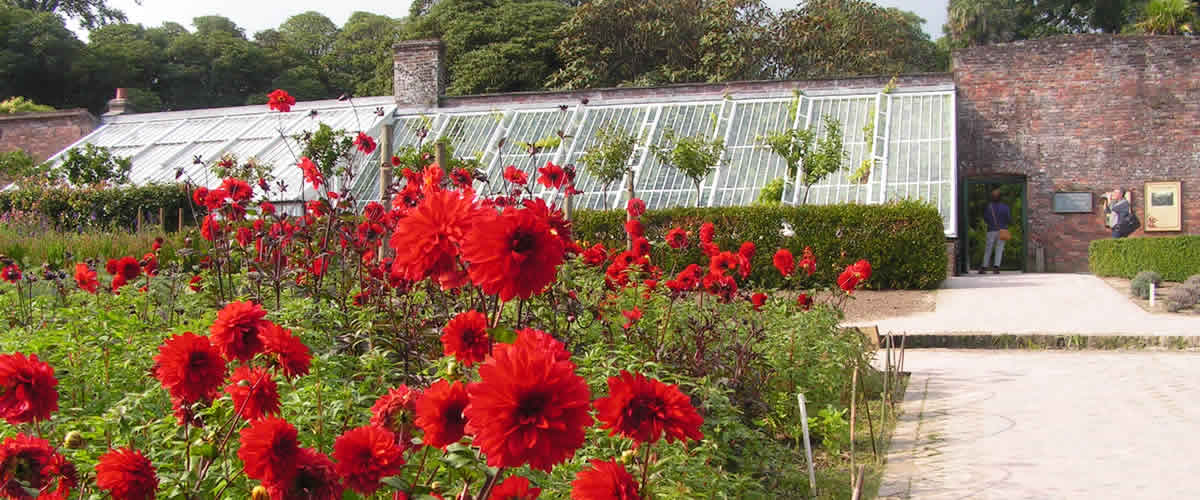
(420, 72)
(119, 105)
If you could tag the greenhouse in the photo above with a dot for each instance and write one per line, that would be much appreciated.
(905, 137)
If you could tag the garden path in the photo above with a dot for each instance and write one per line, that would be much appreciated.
(1030, 303)
(988, 424)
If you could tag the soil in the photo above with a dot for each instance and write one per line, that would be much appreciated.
(871, 305)
(1121, 285)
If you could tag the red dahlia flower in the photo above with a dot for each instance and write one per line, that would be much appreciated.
(366, 455)
(677, 238)
(462, 178)
(280, 100)
(126, 474)
(254, 393)
(635, 207)
(149, 264)
(200, 195)
(643, 409)
(440, 413)
(29, 463)
(634, 229)
(528, 408)
(515, 488)
(632, 316)
(528, 338)
(747, 250)
(266, 208)
(128, 268)
(291, 355)
(85, 277)
(706, 232)
(808, 261)
(513, 254)
(515, 175)
(804, 301)
(723, 263)
(784, 262)
(854, 275)
(236, 332)
(312, 173)
(238, 189)
(640, 247)
(194, 283)
(364, 143)
(466, 338)
(604, 480)
(595, 256)
(315, 479)
(270, 450)
(210, 229)
(215, 198)
(758, 300)
(27, 389)
(721, 285)
(190, 368)
(553, 176)
(396, 410)
(427, 240)
(11, 274)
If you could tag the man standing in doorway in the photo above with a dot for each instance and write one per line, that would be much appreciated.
(998, 217)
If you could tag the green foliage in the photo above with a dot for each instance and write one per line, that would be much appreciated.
(89, 13)
(771, 193)
(980, 22)
(18, 164)
(94, 165)
(500, 46)
(832, 426)
(904, 241)
(20, 104)
(693, 156)
(819, 157)
(62, 249)
(1140, 285)
(37, 56)
(1174, 257)
(1184, 297)
(608, 159)
(1167, 17)
(95, 207)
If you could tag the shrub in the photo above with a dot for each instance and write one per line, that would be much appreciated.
(1140, 286)
(71, 209)
(904, 241)
(22, 105)
(1175, 258)
(1182, 298)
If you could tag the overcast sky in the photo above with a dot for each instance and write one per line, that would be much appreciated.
(257, 15)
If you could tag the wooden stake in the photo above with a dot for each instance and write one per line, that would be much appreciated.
(162, 219)
(870, 424)
(139, 220)
(812, 473)
(180, 226)
(853, 400)
(858, 484)
(439, 155)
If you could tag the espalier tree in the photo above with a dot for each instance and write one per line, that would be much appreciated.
(608, 159)
(693, 156)
(800, 147)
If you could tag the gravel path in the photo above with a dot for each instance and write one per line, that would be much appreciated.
(1046, 425)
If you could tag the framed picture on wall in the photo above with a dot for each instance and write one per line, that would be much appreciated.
(1164, 206)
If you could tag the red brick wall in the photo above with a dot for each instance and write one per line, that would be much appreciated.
(44, 134)
(419, 72)
(1082, 113)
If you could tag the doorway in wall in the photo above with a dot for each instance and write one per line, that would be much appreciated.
(972, 229)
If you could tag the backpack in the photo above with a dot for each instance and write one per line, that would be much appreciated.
(1131, 224)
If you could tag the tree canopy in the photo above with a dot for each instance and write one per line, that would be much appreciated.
(979, 22)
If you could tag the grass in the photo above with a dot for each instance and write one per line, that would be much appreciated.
(31, 247)
(833, 472)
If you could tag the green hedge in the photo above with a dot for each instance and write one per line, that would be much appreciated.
(105, 208)
(904, 241)
(1175, 257)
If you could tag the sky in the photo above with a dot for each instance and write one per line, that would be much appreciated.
(258, 15)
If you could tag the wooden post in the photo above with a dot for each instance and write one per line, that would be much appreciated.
(858, 484)
(568, 210)
(162, 219)
(439, 155)
(812, 474)
(139, 220)
(387, 150)
(853, 400)
(870, 423)
(180, 226)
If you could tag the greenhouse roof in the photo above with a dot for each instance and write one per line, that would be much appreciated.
(905, 135)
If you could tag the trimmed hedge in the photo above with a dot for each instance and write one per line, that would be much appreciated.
(106, 208)
(1174, 257)
(904, 241)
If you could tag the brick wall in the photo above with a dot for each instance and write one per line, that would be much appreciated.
(44, 134)
(1082, 113)
(419, 72)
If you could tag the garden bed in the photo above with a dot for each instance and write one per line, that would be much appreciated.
(1121, 285)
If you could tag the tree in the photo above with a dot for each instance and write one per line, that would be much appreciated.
(37, 56)
(800, 147)
(494, 46)
(362, 53)
(215, 66)
(978, 22)
(621, 42)
(692, 156)
(824, 38)
(1167, 17)
(608, 160)
(90, 13)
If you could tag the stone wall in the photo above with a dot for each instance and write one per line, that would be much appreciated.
(44, 134)
(1082, 113)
